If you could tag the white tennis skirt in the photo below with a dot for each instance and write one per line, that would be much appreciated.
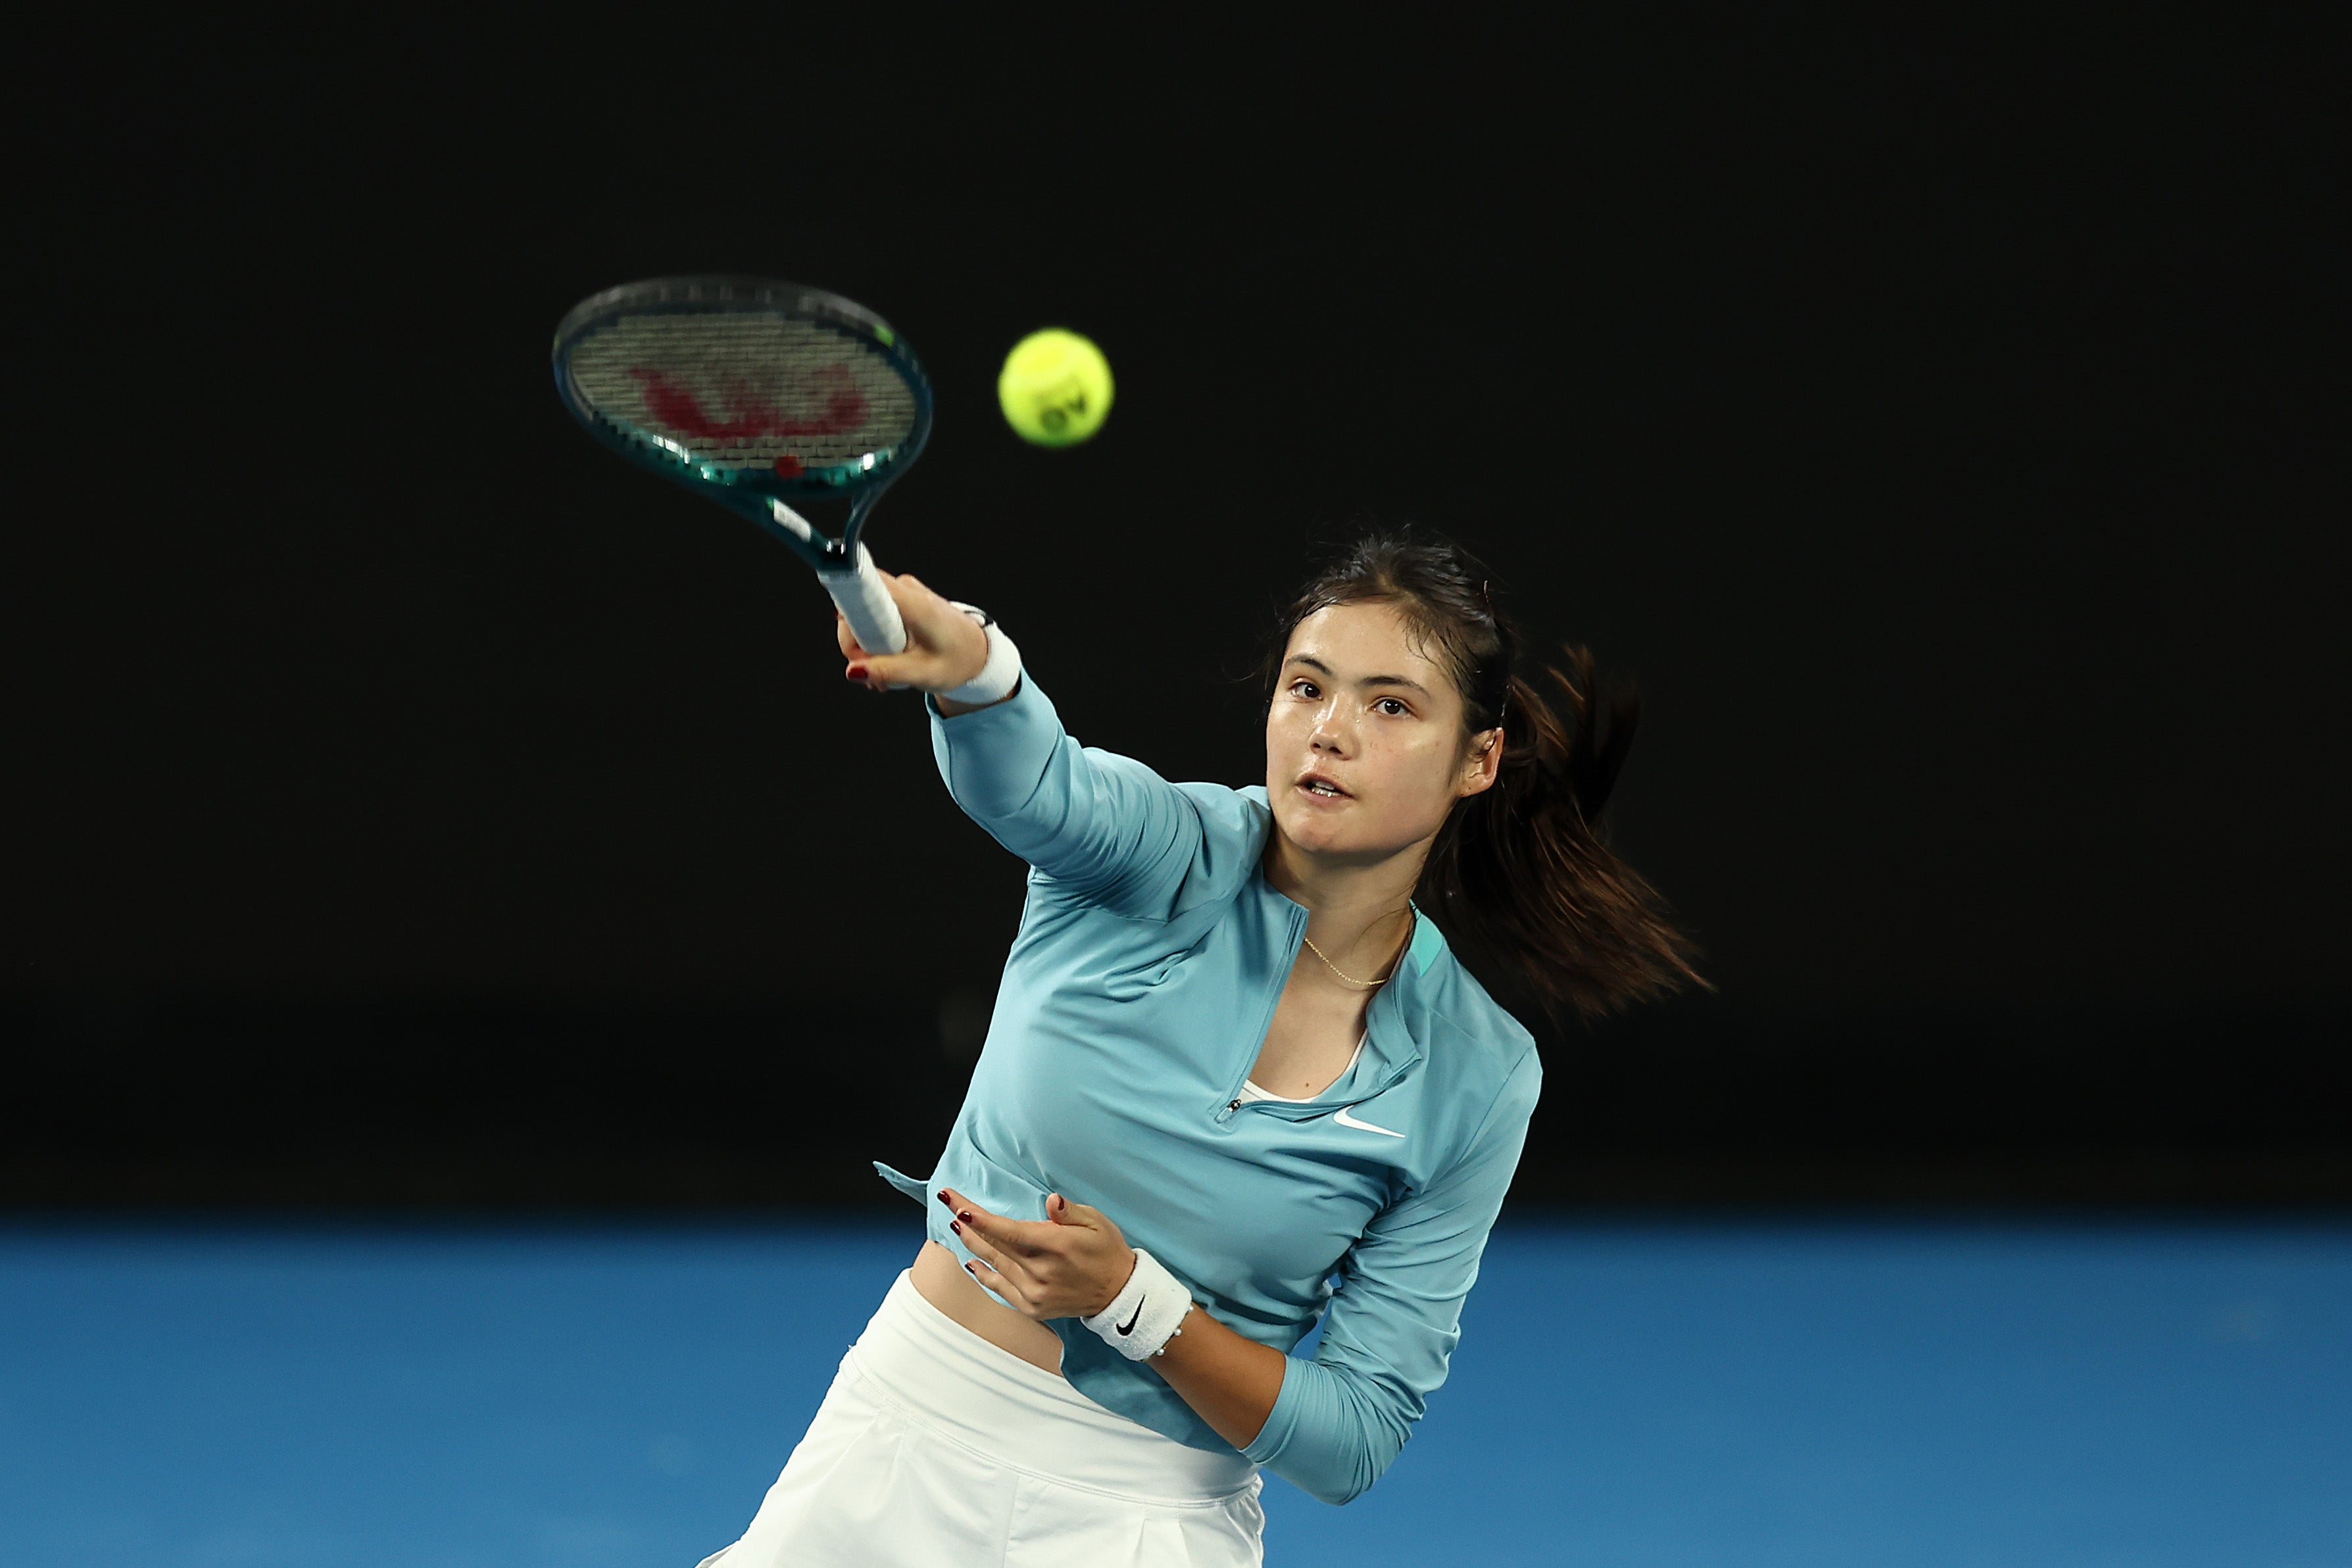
(936, 1449)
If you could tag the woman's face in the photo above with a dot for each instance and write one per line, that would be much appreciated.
(1364, 748)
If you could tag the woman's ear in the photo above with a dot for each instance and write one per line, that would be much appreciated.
(1480, 768)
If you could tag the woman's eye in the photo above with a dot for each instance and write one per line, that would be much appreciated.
(1304, 688)
(1392, 707)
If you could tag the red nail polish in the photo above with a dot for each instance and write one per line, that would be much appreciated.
(945, 1199)
(857, 672)
(964, 1215)
(955, 1227)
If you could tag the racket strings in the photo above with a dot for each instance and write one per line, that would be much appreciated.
(740, 391)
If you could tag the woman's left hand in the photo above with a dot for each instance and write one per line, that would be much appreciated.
(1071, 1264)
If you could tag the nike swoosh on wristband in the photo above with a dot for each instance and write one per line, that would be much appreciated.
(1344, 1119)
(1129, 1327)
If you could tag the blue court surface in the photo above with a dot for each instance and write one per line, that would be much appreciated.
(1639, 1392)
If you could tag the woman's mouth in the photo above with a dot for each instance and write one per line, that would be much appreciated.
(1322, 788)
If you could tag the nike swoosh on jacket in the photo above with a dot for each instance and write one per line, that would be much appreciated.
(1344, 1119)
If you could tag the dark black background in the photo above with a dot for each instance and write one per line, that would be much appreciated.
(1942, 427)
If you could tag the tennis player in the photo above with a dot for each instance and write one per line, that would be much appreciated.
(1236, 1084)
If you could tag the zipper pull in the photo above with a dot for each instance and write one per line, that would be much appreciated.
(1233, 1106)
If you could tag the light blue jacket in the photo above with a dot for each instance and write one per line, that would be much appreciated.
(1150, 956)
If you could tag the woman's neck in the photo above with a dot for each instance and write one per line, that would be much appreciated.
(1355, 908)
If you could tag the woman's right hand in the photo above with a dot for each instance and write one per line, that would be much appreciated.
(945, 647)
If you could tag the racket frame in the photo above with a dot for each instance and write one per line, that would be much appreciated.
(761, 496)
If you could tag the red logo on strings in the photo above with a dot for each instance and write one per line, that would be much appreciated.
(746, 418)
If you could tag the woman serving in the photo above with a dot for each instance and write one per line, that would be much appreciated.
(1236, 1082)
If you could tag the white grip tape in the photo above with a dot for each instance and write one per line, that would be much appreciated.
(1148, 1312)
(998, 677)
(866, 604)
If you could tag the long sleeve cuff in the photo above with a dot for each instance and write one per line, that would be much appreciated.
(1328, 1436)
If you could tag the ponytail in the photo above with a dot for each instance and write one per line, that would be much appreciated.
(1521, 874)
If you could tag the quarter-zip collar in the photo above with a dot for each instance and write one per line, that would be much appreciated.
(1395, 1024)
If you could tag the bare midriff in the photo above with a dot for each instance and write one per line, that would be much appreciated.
(942, 1282)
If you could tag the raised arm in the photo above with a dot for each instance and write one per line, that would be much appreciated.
(1105, 827)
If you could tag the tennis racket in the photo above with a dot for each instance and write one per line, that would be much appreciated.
(758, 395)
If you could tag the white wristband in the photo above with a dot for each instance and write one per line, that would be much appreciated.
(1147, 1313)
(998, 677)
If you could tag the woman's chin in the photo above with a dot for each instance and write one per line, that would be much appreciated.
(1317, 830)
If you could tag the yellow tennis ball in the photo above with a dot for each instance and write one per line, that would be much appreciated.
(1054, 389)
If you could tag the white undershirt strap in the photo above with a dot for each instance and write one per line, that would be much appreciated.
(1252, 1092)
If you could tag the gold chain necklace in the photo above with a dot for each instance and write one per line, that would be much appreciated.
(1358, 984)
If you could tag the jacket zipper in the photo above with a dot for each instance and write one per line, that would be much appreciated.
(1297, 922)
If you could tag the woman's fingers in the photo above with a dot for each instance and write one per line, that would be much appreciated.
(1071, 1263)
(1019, 1237)
(1006, 1276)
(1060, 1210)
(982, 1234)
(1007, 1289)
(945, 647)
(981, 1247)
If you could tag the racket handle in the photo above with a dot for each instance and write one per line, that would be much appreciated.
(866, 604)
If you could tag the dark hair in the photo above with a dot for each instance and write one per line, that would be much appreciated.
(1520, 873)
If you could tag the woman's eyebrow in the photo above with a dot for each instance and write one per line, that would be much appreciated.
(1410, 684)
